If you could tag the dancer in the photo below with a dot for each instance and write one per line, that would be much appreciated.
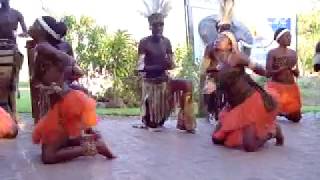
(63, 130)
(249, 119)
(159, 91)
(282, 67)
(72, 72)
(9, 21)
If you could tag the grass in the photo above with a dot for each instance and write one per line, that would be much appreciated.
(24, 106)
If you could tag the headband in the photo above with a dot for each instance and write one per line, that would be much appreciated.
(233, 40)
(281, 33)
(47, 28)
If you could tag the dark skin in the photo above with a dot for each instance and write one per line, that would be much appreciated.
(211, 99)
(282, 67)
(62, 150)
(157, 54)
(228, 62)
(282, 62)
(9, 20)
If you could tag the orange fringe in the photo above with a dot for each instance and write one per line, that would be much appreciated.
(72, 114)
(7, 124)
(251, 111)
(287, 96)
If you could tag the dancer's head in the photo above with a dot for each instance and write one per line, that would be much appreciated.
(156, 24)
(5, 4)
(48, 29)
(226, 42)
(283, 37)
(156, 11)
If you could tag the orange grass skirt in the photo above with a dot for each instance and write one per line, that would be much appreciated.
(251, 112)
(287, 96)
(68, 117)
(7, 124)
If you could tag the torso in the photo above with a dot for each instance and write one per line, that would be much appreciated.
(8, 24)
(156, 53)
(281, 58)
(232, 81)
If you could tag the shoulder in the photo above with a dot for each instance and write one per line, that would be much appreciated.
(15, 12)
(292, 51)
(272, 52)
(145, 39)
(166, 40)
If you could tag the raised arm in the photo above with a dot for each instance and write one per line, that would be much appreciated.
(49, 50)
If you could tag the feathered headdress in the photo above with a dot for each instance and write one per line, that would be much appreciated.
(156, 8)
(226, 10)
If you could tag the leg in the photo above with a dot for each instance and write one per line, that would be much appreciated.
(104, 150)
(250, 141)
(58, 152)
(186, 120)
(100, 145)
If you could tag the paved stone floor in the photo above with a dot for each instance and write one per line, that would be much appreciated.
(170, 155)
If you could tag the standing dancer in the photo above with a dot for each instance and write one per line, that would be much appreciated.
(9, 21)
(282, 68)
(159, 91)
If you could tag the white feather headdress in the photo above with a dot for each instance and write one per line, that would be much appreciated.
(226, 10)
(162, 7)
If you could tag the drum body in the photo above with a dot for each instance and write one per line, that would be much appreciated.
(10, 64)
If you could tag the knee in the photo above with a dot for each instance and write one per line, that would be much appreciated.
(48, 159)
(12, 134)
(249, 148)
(217, 141)
(296, 117)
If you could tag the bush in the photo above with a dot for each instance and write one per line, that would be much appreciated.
(188, 69)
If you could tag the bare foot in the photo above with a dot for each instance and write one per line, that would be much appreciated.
(104, 150)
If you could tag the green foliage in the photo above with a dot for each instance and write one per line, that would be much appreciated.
(188, 69)
(114, 53)
(308, 36)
